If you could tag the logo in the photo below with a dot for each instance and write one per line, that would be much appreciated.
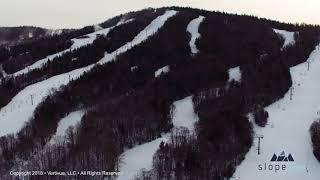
(282, 157)
(278, 163)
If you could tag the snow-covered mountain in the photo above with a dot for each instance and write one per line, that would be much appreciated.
(168, 93)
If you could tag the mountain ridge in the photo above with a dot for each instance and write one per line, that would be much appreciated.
(111, 75)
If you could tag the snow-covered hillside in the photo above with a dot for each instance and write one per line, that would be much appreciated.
(288, 129)
(77, 43)
(140, 157)
(70, 121)
(193, 29)
(288, 37)
(109, 105)
(20, 109)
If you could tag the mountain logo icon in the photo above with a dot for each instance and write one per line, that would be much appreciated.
(282, 157)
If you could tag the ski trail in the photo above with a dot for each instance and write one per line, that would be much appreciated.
(288, 37)
(288, 129)
(77, 43)
(71, 120)
(184, 115)
(140, 157)
(21, 107)
(193, 29)
(150, 30)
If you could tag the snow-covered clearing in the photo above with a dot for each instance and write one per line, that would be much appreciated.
(193, 29)
(235, 74)
(71, 120)
(76, 43)
(140, 157)
(288, 129)
(162, 70)
(21, 107)
(184, 115)
(288, 37)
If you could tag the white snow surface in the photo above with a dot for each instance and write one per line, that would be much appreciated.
(193, 29)
(162, 70)
(140, 157)
(76, 43)
(288, 129)
(97, 27)
(288, 37)
(184, 115)
(148, 31)
(71, 120)
(21, 107)
(235, 74)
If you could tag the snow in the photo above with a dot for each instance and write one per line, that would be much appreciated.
(124, 20)
(288, 37)
(148, 31)
(133, 68)
(20, 109)
(184, 115)
(162, 70)
(76, 43)
(71, 120)
(30, 35)
(288, 129)
(97, 27)
(52, 32)
(235, 74)
(193, 29)
(140, 157)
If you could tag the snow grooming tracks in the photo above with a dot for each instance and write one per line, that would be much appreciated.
(193, 29)
(20, 109)
(288, 129)
(288, 37)
(140, 157)
(77, 43)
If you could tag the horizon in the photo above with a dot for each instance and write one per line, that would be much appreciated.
(80, 13)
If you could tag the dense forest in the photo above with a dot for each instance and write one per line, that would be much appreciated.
(126, 105)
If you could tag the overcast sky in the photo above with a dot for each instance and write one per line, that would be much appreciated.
(78, 13)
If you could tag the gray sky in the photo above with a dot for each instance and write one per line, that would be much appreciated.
(78, 13)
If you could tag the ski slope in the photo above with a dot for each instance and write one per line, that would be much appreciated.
(148, 31)
(184, 115)
(234, 74)
(140, 157)
(288, 129)
(193, 29)
(288, 37)
(71, 120)
(76, 43)
(20, 109)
